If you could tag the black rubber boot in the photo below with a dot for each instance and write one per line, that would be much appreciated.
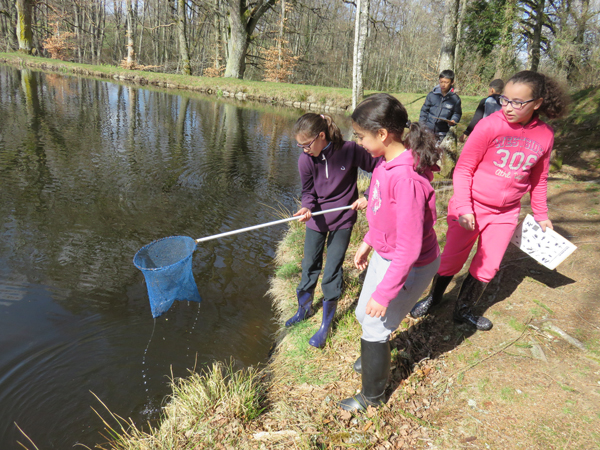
(376, 358)
(320, 337)
(358, 365)
(470, 293)
(305, 300)
(438, 287)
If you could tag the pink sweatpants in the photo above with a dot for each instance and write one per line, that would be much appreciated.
(494, 228)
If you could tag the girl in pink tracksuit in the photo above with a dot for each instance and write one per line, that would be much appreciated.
(401, 214)
(506, 156)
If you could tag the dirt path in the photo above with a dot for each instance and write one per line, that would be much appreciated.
(535, 389)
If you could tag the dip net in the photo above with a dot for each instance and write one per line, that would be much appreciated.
(167, 268)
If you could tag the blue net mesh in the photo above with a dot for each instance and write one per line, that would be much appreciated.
(167, 268)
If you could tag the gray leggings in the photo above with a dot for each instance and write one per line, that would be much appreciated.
(378, 329)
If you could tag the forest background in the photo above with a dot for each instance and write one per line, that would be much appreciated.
(399, 45)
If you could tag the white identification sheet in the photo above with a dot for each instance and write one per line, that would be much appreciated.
(548, 248)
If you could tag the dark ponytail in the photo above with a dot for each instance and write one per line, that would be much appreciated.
(555, 99)
(311, 124)
(424, 144)
(382, 111)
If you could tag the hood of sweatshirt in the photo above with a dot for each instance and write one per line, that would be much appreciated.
(407, 158)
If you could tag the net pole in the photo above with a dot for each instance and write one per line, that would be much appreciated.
(268, 224)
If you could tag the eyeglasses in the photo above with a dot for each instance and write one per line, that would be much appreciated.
(514, 103)
(307, 146)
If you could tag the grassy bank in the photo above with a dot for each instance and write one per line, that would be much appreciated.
(288, 404)
(318, 98)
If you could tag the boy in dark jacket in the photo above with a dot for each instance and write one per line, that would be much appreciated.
(486, 106)
(442, 107)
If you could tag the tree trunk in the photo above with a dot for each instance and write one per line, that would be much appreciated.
(459, 28)
(581, 21)
(237, 46)
(360, 39)
(449, 36)
(242, 23)
(130, 36)
(217, 21)
(183, 45)
(280, 40)
(505, 56)
(536, 40)
(24, 35)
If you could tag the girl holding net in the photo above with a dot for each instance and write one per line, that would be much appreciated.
(328, 170)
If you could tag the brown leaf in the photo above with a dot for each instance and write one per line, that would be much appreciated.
(346, 415)
(371, 411)
(469, 439)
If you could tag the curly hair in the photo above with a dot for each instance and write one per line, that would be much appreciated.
(555, 99)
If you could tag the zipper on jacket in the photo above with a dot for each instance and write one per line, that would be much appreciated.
(325, 159)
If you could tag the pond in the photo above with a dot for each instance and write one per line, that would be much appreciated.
(90, 172)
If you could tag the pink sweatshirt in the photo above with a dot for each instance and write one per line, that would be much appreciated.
(500, 162)
(401, 215)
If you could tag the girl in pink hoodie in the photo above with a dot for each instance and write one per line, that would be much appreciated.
(401, 214)
(506, 156)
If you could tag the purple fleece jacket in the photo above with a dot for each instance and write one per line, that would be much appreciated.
(401, 215)
(329, 181)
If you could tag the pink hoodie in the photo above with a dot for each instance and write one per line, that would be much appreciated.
(401, 215)
(500, 162)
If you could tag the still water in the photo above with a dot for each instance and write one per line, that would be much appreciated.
(90, 172)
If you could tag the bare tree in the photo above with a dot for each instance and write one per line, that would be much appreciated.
(506, 47)
(183, 44)
(130, 63)
(459, 27)
(360, 39)
(536, 22)
(243, 19)
(449, 35)
(24, 35)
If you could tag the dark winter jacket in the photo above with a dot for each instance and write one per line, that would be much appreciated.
(486, 107)
(438, 106)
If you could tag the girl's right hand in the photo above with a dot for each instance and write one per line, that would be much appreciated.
(361, 259)
(467, 221)
(360, 204)
(305, 213)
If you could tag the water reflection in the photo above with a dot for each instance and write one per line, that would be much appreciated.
(90, 172)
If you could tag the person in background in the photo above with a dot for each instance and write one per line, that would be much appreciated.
(328, 170)
(401, 214)
(487, 106)
(506, 156)
(442, 108)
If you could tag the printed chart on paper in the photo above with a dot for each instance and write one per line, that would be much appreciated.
(548, 248)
